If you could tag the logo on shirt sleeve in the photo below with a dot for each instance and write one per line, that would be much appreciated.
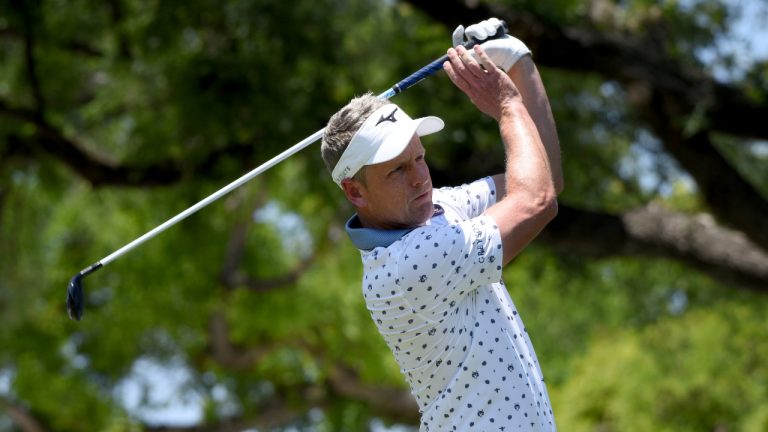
(479, 243)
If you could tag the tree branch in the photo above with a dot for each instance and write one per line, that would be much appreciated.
(731, 198)
(240, 279)
(72, 45)
(21, 417)
(392, 403)
(232, 275)
(652, 231)
(117, 15)
(29, 56)
(225, 353)
(102, 173)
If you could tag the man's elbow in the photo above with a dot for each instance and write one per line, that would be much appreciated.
(548, 209)
(544, 206)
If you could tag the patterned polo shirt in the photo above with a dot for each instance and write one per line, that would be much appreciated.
(436, 295)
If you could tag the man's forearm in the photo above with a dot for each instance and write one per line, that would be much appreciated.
(528, 81)
(528, 169)
(530, 201)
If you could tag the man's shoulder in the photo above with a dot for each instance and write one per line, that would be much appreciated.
(483, 183)
(466, 201)
(465, 193)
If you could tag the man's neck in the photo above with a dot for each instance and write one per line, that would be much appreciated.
(367, 221)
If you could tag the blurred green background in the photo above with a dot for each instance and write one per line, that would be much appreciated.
(645, 299)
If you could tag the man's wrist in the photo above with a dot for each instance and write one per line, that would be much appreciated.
(511, 108)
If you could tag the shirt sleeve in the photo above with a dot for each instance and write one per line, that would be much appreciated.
(441, 265)
(468, 200)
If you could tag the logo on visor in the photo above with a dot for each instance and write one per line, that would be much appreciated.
(390, 117)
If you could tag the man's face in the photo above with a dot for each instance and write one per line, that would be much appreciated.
(396, 193)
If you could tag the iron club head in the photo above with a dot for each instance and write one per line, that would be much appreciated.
(75, 300)
(75, 297)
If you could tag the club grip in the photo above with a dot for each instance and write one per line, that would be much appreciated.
(436, 65)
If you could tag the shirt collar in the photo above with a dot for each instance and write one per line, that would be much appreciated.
(370, 238)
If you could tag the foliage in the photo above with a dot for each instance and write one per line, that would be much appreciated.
(206, 90)
(649, 379)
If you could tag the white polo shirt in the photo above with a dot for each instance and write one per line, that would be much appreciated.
(436, 295)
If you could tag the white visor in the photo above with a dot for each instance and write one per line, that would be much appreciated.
(382, 137)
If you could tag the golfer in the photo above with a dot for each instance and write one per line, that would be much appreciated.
(433, 258)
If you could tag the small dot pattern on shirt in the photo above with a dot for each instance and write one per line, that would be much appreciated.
(437, 298)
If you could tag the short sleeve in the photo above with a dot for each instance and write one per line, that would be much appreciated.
(440, 265)
(468, 200)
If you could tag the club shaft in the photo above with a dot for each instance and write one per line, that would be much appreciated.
(407, 82)
(214, 196)
(223, 191)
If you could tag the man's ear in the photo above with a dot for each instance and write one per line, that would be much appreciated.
(355, 192)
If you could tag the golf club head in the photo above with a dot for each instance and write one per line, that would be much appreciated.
(75, 297)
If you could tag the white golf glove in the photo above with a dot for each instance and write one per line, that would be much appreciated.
(504, 52)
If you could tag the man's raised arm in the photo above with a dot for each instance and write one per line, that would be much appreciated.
(530, 201)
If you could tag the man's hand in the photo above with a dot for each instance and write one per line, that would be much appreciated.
(504, 52)
(490, 89)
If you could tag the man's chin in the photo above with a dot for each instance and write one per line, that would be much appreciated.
(426, 210)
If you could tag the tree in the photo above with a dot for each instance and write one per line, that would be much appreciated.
(116, 115)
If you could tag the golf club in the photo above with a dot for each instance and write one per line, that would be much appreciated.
(75, 299)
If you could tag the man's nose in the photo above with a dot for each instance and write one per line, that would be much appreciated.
(420, 174)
